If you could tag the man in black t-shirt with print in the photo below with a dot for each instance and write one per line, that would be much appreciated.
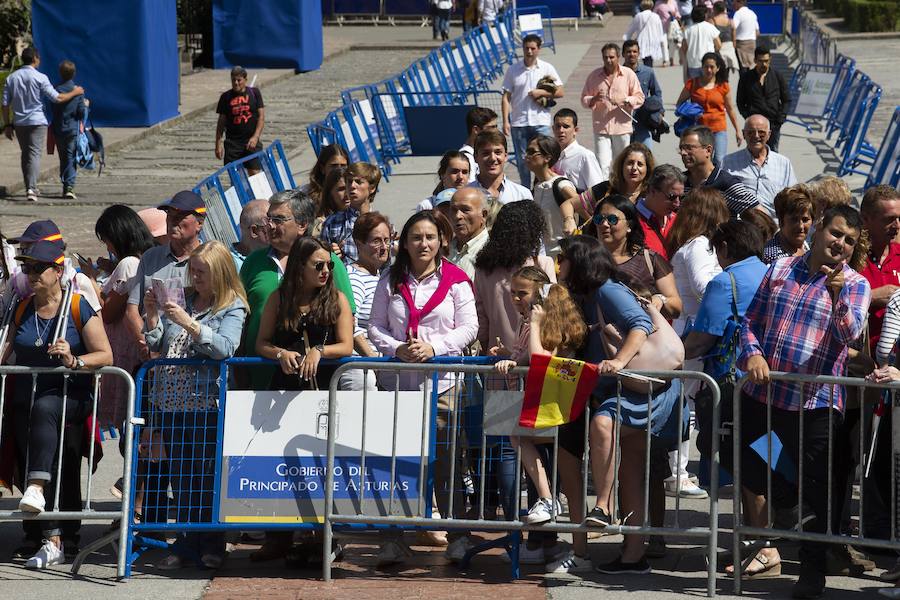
(242, 117)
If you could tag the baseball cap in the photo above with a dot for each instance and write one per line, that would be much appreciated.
(187, 201)
(39, 231)
(44, 251)
(443, 197)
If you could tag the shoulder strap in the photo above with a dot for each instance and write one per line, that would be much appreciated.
(75, 308)
(557, 193)
(734, 297)
(20, 311)
(648, 261)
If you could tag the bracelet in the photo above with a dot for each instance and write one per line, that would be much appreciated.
(279, 354)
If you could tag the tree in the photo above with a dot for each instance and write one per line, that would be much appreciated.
(15, 26)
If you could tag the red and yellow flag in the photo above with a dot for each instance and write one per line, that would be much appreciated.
(556, 390)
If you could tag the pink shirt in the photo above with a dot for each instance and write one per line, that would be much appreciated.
(449, 328)
(667, 10)
(614, 90)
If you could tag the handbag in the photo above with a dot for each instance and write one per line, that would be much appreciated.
(663, 349)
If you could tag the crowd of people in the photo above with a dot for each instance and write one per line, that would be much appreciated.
(746, 270)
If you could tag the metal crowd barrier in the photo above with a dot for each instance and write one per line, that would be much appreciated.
(771, 450)
(227, 190)
(816, 46)
(886, 163)
(64, 506)
(537, 20)
(404, 450)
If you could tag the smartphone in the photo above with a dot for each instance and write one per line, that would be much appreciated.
(80, 258)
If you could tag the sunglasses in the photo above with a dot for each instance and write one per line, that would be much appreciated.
(613, 220)
(532, 151)
(319, 265)
(35, 267)
(279, 220)
(674, 197)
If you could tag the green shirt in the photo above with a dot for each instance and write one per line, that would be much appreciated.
(261, 275)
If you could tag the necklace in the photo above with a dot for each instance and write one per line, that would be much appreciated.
(39, 341)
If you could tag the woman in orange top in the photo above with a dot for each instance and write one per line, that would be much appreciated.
(712, 92)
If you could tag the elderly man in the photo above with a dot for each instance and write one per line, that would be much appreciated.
(763, 91)
(254, 231)
(802, 319)
(696, 149)
(613, 93)
(23, 113)
(525, 105)
(242, 116)
(761, 169)
(468, 215)
(656, 211)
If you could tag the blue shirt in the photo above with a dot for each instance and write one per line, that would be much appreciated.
(338, 229)
(775, 174)
(24, 91)
(715, 316)
(647, 78)
(67, 115)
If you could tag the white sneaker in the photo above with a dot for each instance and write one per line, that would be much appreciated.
(391, 553)
(31, 195)
(47, 556)
(689, 489)
(572, 563)
(32, 500)
(541, 512)
(457, 549)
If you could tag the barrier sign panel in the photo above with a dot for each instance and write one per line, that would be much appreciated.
(275, 448)
(814, 93)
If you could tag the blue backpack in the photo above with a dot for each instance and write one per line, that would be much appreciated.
(89, 145)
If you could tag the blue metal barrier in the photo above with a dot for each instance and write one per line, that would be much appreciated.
(886, 164)
(857, 151)
(546, 31)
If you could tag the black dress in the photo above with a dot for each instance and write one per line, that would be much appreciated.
(293, 340)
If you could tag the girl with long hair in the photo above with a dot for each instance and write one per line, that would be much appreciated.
(550, 323)
(330, 158)
(305, 320)
(331, 199)
(712, 91)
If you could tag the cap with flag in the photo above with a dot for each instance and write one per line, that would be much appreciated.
(37, 231)
(556, 390)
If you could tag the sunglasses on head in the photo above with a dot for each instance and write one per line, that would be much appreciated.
(35, 267)
(613, 220)
(319, 265)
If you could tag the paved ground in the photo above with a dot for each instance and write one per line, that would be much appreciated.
(145, 172)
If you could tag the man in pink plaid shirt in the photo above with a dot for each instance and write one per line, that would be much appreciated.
(806, 312)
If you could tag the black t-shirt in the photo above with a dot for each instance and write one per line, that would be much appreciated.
(241, 112)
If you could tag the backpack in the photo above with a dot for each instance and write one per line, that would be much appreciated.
(94, 142)
(74, 310)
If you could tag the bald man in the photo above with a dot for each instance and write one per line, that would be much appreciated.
(759, 167)
(468, 215)
(254, 230)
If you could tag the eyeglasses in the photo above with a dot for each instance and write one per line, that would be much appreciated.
(380, 242)
(613, 220)
(532, 151)
(690, 147)
(319, 265)
(278, 220)
(35, 267)
(756, 132)
(674, 197)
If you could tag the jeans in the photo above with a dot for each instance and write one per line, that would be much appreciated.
(442, 20)
(607, 148)
(32, 139)
(642, 134)
(65, 147)
(720, 146)
(520, 137)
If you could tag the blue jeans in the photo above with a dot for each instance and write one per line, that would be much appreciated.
(720, 147)
(442, 20)
(642, 134)
(65, 147)
(520, 138)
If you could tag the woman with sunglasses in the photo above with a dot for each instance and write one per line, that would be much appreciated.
(37, 405)
(554, 193)
(617, 227)
(424, 306)
(305, 320)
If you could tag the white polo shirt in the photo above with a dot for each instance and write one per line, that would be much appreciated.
(745, 24)
(579, 165)
(510, 191)
(518, 81)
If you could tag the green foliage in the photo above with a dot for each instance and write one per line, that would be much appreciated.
(865, 15)
(15, 24)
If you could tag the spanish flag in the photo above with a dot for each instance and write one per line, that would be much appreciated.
(556, 390)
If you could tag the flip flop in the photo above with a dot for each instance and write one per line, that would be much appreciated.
(769, 569)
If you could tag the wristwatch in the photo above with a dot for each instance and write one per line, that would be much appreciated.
(280, 354)
(320, 348)
(662, 298)
(79, 364)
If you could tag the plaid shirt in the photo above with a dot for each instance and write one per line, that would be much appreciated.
(794, 325)
(338, 229)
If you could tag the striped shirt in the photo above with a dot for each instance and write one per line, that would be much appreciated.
(890, 330)
(363, 285)
(738, 196)
(793, 324)
(773, 250)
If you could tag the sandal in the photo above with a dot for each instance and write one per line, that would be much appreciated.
(768, 568)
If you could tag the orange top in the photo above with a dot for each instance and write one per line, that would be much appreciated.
(712, 101)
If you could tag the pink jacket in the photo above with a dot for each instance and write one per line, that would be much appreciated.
(614, 90)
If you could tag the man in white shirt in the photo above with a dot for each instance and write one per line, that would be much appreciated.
(761, 169)
(468, 215)
(525, 107)
(488, 9)
(491, 155)
(699, 38)
(478, 119)
(578, 164)
(744, 31)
